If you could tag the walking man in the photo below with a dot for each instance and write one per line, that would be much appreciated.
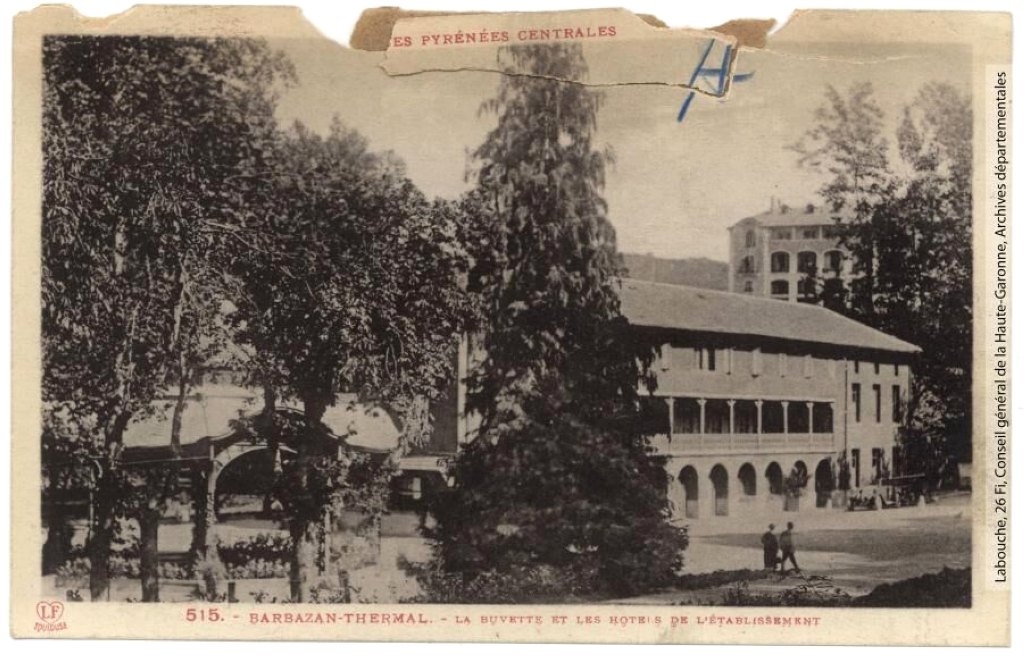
(770, 543)
(788, 549)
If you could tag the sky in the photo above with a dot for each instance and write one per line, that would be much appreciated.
(674, 188)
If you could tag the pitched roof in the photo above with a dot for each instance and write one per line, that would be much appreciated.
(792, 216)
(703, 310)
(210, 412)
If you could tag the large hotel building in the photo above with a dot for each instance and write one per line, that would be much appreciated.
(782, 252)
(752, 394)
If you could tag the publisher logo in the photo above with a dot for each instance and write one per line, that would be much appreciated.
(50, 614)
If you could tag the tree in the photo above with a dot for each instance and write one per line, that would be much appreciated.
(141, 140)
(559, 475)
(907, 227)
(347, 281)
(847, 142)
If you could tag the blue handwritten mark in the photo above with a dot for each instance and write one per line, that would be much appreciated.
(714, 76)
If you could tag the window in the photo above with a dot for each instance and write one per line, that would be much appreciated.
(896, 405)
(808, 366)
(654, 413)
(877, 389)
(807, 262)
(830, 232)
(855, 466)
(822, 417)
(745, 416)
(855, 393)
(665, 357)
(716, 416)
(856, 366)
(782, 364)
(706, 359)
(833, 261)
(809, 233)
(780, 262)
(798, 417)
(728, 360)
(748, 287)
(755, 362)
(806, 289)
(750, 239)
(772, 417)
(782, 234)
(780, 288)
(747, 264)
(685, 416)
(878, 465)
(896, 369)
(878, 368)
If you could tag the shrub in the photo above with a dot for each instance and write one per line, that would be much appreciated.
(950, 588)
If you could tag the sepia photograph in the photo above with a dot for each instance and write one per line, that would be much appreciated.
(344, 327)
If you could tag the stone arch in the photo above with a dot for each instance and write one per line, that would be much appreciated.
(244, 469)
(780, 262)
(823, 482)
(720, 489)
(691, 490)
(807, 262)
(773, 474)
(748, 480)
(833, 262)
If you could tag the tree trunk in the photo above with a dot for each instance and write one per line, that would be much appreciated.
(104, 500)
(101, 536)
(58, 535)
(269, 430)
(149, 551)
(303, 562)
(179, 406)
(304, 513)
(198, 496)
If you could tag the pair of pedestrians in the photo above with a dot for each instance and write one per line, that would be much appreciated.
(772, 544)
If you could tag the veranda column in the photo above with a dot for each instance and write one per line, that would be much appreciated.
(759, 403)
(785, 419)
(702, 403)
(732, 420)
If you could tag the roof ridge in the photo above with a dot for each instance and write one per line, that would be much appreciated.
(797, 311)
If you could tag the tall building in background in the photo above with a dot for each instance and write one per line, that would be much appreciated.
(785, 253)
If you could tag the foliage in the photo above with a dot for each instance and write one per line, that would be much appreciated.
(177, 216)
(142, 139)
(262, 547)
(949, 588)
(559, 477)
(907, 226)
(719, 578)
(812, 591)
(796, 481)
(535, 584)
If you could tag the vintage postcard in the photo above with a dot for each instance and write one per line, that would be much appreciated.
(540, 327)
